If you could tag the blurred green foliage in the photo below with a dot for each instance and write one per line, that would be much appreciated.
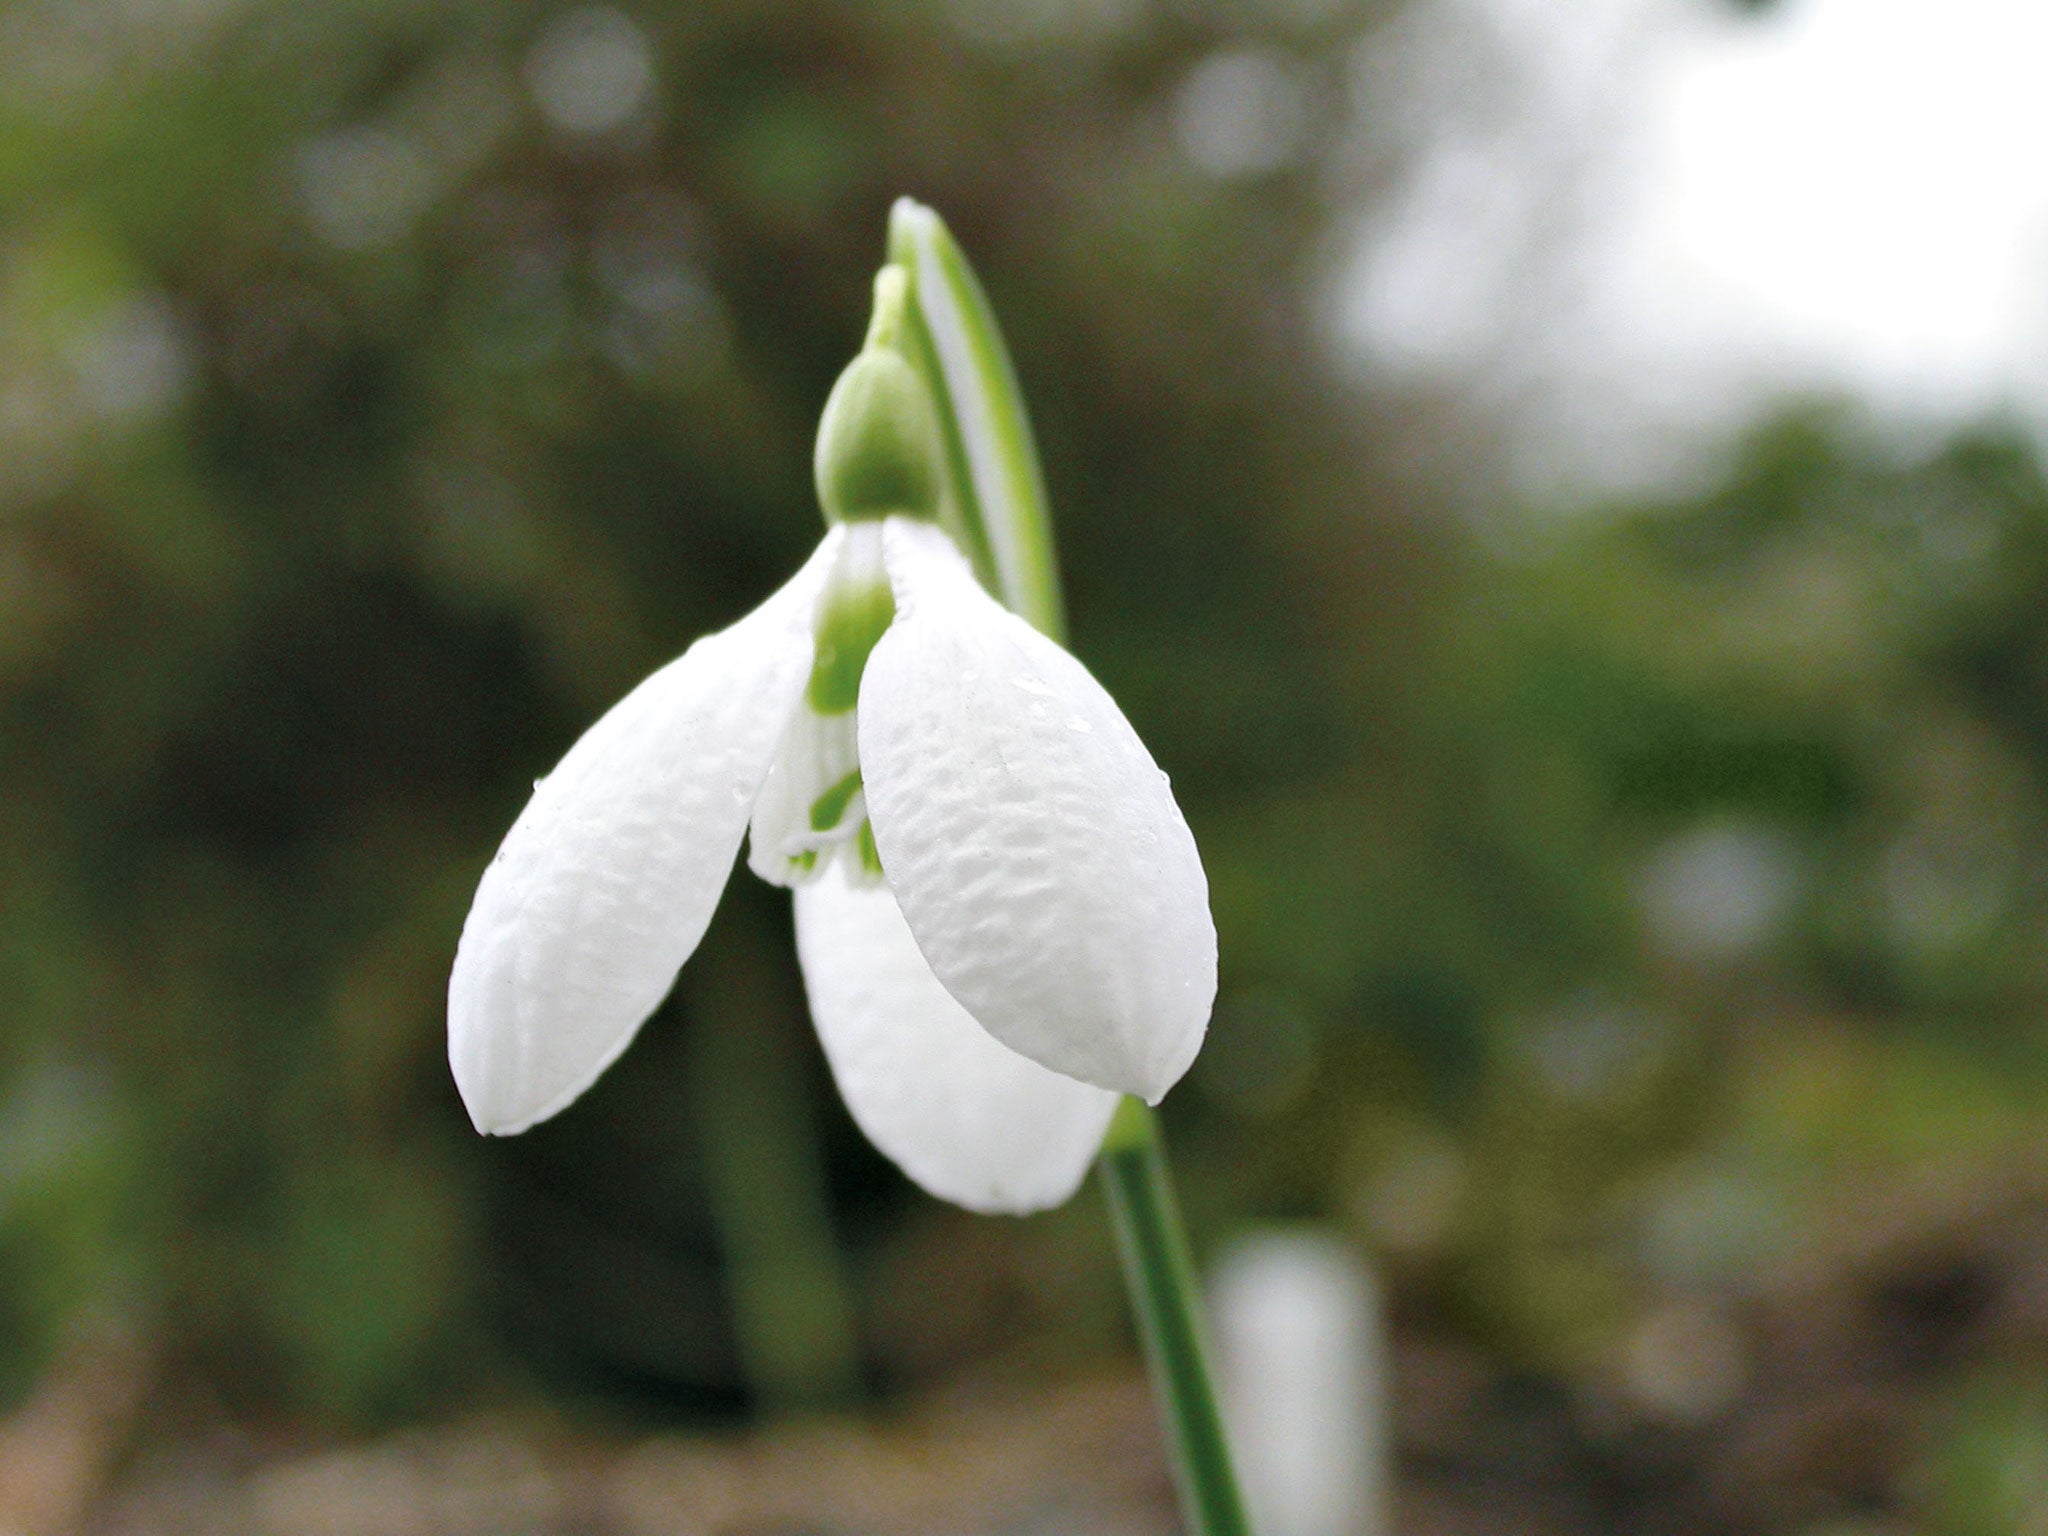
(387, 387)
(1607, 903)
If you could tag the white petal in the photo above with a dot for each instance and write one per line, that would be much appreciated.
(1031, 840)
(968, 1120)
(609, 877)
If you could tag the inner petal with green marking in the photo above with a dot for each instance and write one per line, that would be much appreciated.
(812, 807)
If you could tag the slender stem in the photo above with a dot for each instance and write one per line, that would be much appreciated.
(997, 507)
(1161, 1279)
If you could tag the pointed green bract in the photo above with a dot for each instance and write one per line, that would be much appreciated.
(1005, 524)
(959, 509)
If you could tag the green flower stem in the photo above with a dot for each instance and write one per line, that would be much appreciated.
(1161, 1280)
(995, 505)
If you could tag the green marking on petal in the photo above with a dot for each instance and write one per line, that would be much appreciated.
(831, 805)
(851, 619)
(870, 855)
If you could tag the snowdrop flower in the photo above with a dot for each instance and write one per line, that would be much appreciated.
(1001, 917)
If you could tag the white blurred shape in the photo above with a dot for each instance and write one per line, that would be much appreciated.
(591, 70)
(362, 187)
(1719, 891)
(1302, 1360)
(1240, 113)
(132, 363)
(666, 314)
(1710, 1227)
(1862, 179)
(1663, 216)
(1595, 1049)
(1429, 290)
(1686, 1362)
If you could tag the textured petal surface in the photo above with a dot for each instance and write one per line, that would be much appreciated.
(609, 877)
(968, 1120)
(1030, 839)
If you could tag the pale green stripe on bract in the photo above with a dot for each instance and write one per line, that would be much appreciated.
(1004, 486)
(959, 508)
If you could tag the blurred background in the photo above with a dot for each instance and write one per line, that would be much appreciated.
(1559, 488)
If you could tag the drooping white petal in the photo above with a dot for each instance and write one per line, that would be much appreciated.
(1033, 844)
(610, 875)
(969, 1120)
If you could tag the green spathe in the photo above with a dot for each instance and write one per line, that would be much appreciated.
(879, 449)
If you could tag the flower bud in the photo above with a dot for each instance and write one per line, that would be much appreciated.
(879, 452)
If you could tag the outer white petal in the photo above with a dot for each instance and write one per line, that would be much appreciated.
(969, 1120)
(610, 875)
(1032, 842)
